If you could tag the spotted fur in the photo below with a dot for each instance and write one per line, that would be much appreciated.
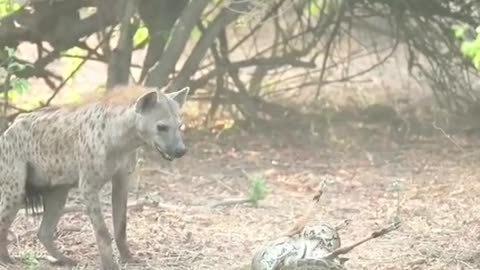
(44, 154)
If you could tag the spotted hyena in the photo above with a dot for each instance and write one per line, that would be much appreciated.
(45, 153)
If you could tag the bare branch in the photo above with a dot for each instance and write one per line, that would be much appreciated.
(181, 33)
(159, 17)
(226, 16)
(120, 61)
(346, 249)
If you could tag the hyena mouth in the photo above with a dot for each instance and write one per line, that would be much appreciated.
(164, 155)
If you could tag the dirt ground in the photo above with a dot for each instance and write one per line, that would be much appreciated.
(430, 185)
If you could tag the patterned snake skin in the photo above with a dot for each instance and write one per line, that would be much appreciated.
(302, 253)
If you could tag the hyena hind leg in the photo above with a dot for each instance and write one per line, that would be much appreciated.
(11, 200)
(54, 201)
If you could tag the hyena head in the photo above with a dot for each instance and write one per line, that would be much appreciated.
(158, 121)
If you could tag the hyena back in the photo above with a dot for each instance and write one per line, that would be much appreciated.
(45, 153)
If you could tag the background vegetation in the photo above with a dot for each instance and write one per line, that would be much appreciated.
(241, 58)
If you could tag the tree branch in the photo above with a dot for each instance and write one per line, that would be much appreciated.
(158, 76)
(226, 16)
(120, 61)
(159, 17)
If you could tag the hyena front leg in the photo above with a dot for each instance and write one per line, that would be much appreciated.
(89, 188)
(119, 212)
(53, 204)
(12, 192)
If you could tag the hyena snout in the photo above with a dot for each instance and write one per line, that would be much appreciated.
(179, 151)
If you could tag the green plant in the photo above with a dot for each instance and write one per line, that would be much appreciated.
(470, 48)
(7, 7)
(14, 86)
(140, 36)
(318, 8)
(257, 189)
(29, 259)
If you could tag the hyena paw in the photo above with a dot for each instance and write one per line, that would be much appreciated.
(62, 261)
(126, 256)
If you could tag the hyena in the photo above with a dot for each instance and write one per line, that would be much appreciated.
(44, 154)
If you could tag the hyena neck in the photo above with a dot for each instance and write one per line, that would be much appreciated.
(123, 136)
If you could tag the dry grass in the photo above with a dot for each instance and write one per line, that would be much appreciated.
(434, 186)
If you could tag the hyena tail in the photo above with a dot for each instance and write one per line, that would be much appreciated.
(33, 194)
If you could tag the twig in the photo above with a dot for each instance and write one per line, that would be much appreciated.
(345, 250)
(434, 124)
(302, 222)
(71, 75)
(224, 18)
(328, 48)
(343, 224)
(11, 106)
(232, 202)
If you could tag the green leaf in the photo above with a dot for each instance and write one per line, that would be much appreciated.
(15, 67)
(196, 33)
(459, 31)
(10, 52)
(469, 48)
(20, 86)
(140, 36)
(257, 190)
(314, 7)
(7, 7)
(476, 60)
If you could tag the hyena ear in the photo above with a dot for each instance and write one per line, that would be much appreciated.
(146, 101)
(180, 96)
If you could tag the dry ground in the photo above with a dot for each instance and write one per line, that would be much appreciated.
(433, 184)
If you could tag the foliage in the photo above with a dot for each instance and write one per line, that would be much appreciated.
(7, 7)
(141, 35)
(16, 86)
(314, 7)
(29, 259)
(470, 48)
(257, 190)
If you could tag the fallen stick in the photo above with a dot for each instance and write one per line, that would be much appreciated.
(343, 224)
(232, 202)
(345, 250)
(302, 222)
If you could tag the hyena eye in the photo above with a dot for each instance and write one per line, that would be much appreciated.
(162, 128)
